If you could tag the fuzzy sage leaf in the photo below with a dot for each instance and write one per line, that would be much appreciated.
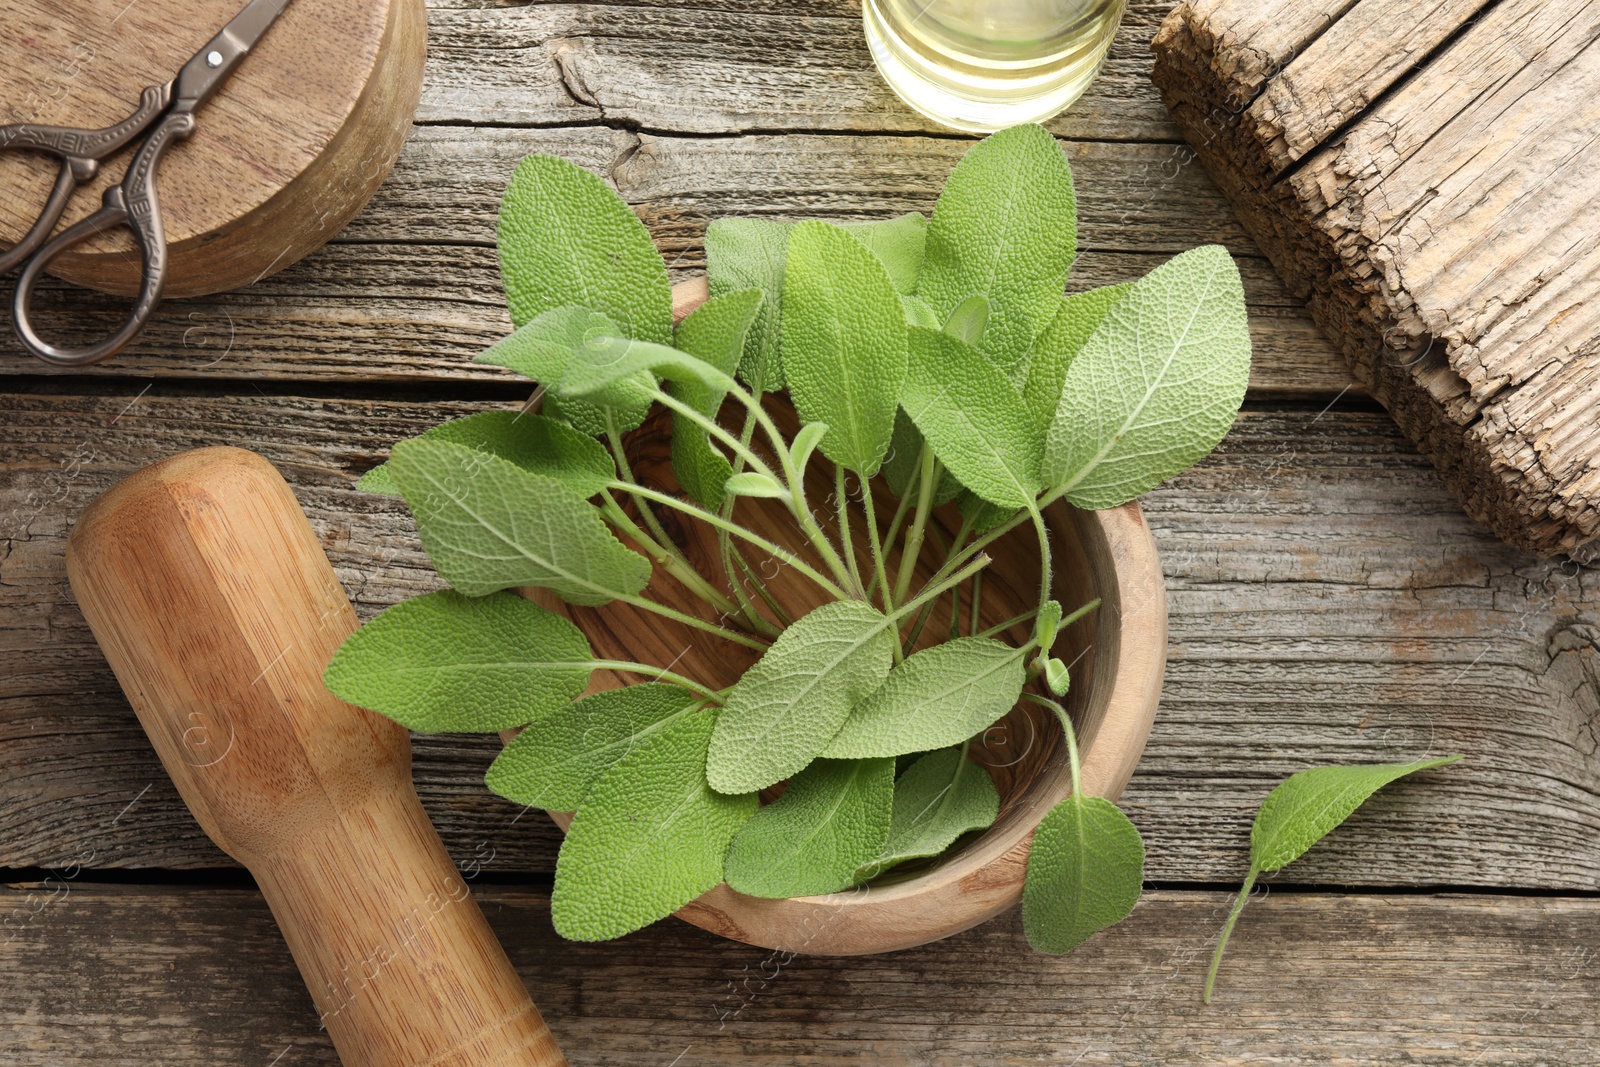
(649, 837)
(937, 799)
(844, 343)
(788, 706)
(446, 663)
(487, 524)
(833, 819)
(1300, 812)
(533, 442)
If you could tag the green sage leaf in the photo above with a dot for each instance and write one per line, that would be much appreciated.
(557, 758)
(1005, 227)
(715, 332)
(603, 365)
(649, 837)
(937, 799)
(918, 313)
(899, 243)
(749, 483)
(749, 254)
(964, 405)
(565, 237)
(899, 468)
(787, 707)
(844, 343)
(833, 818)
(1085, 872)
(533, 442)
(445, 663)
(543, 349)
(805, 442)
(1157, 384)
(966, 323)
(936, 697)
(1045, 372)
(487, 524)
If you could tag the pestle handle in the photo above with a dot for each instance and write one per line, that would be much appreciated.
(213, 602)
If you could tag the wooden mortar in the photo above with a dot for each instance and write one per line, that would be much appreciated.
(1118, 655)
(294, 144)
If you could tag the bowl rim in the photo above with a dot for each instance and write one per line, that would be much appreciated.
(985, 878)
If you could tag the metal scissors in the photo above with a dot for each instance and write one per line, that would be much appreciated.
(165, 114)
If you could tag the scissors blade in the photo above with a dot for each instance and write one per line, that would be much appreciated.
(204, 74)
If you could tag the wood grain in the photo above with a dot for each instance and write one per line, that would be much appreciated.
(209, 595)
(1329, 603)
(287, 152)
(1440, 236)
(115, 976)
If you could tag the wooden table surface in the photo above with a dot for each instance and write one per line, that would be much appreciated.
(1329, 604)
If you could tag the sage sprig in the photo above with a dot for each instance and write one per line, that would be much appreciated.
(948, 391)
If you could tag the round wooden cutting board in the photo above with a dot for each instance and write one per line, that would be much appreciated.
(294, 144)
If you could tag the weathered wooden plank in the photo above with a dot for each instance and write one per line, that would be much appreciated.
(726, 69)
(1329, 604)
(1248, 45)
(113, 976)
(412, 290)
(1444, 246)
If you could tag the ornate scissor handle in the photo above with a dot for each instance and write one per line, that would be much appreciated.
(132, 204)
(80, 152)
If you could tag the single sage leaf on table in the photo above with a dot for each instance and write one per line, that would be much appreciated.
(715, 332)
(566, 237)
(1302, 811)
(487, 524)
(649, 837)
(1045, 374)
(544, 347)
(937, 799)
(966, 408)
(1005, 227)
(787, 707)
(936, 697)
(557, 758)
(1085, 872)
(833, 818)
(844, 343)
(750, 253)
(446, 663)
(1156, 385)
(533, 442)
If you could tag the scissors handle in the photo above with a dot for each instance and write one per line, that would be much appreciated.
(80, 152)
(132, 204)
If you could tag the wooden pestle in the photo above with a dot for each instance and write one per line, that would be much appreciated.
(214, 605)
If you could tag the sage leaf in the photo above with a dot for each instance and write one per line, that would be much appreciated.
(557, 758)
(533, 442)
(983, 515)
(445, 663)
(918, 313)
(936, 697)
(715, 332)
(899, 468)
(749, 254)
(1157, 384)
(1047, 624)
(966, 408)
(1075, 321)
(543, 349)
(602, 365)
(1301, 811)
(1085, 872)
(805, 442)
(833, 818)
(1005, 227)
(937, 799)
(899, 243)
(1056, 676)
(844, 343)
(649, 837)
(967, 321)
(700, 468)
(565, 237)
(787, 707)
(749, 483)
(487, 524)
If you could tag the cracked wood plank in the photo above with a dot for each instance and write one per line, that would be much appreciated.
(116, 976)
(1444, 238)
(411, 290)
(1328, 604)
(732, 68)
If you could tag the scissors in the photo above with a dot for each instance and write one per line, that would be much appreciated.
(165, 114)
